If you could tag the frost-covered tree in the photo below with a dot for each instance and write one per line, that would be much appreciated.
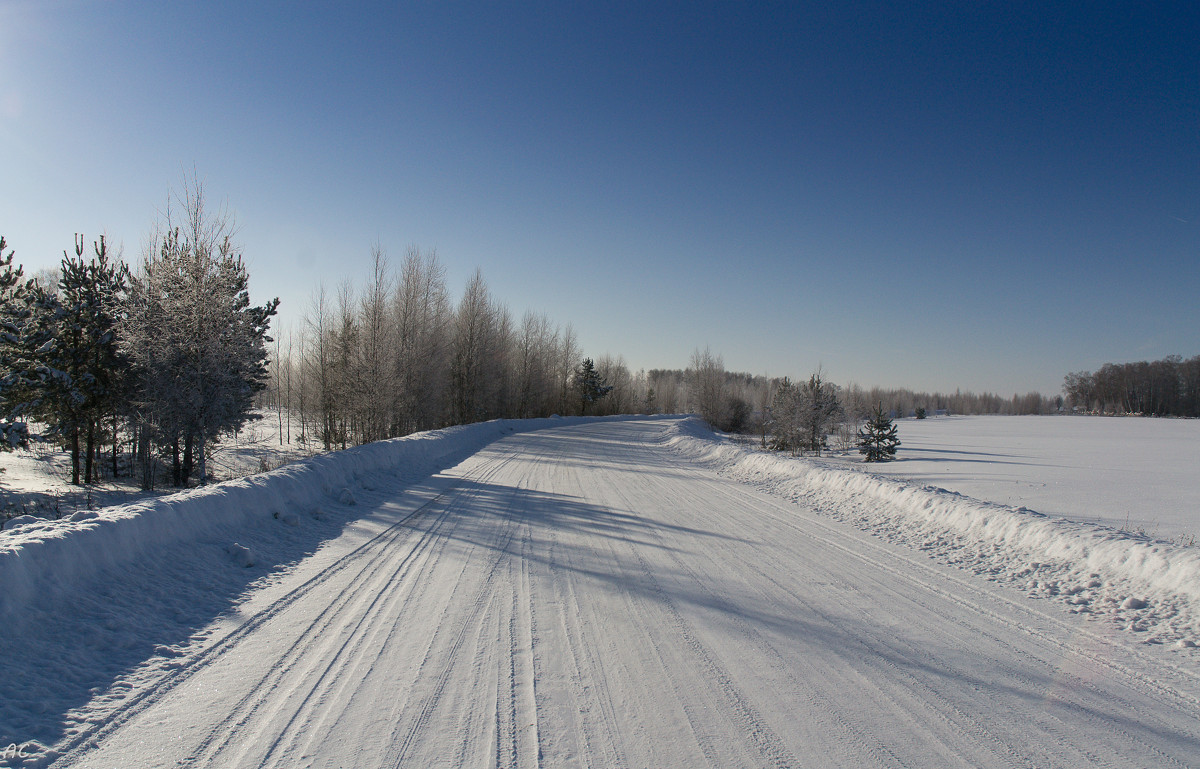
(615, 374)
(197, 344)
(669, 389)
(803, 414)
(706, 386)
(819, 412)
(376, 352)
(534, 349)
(877, 440)
(783, 422)
(565, 356)
(316, 367)
(422, 320)
(478, 375)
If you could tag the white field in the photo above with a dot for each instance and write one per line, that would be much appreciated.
(1136, 474)
(573, 592)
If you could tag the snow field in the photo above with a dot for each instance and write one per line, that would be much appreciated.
(1151, 588)
(1137, 474)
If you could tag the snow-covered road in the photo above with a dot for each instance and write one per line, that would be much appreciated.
(582, 596)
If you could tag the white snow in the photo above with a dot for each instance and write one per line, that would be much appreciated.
(1133, 473)
(1145, 585)
(567, 592)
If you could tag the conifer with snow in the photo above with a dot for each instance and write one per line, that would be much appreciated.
(878, 439)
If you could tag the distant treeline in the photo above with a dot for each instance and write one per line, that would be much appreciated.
(1167, 387)
(740, 402)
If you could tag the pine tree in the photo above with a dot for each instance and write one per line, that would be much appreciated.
(85, 350)
(878, 439)
(15, 362)
(590, 386)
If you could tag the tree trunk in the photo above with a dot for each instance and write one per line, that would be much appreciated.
(188, 460)
(74, 456)
(89, 456)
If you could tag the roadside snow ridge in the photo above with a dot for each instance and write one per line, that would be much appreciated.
(1144, 586)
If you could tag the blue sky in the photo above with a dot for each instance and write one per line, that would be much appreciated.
(961, 195)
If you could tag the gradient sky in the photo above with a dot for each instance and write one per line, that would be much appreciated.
(975, 195)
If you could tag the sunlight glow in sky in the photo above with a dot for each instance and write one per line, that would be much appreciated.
(970, 195)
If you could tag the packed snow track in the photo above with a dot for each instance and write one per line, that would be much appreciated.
(582, 596)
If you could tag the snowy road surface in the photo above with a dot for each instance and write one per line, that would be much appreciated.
(583, 597)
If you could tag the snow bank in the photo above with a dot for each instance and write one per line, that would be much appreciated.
(39, 557)
(1146, 586)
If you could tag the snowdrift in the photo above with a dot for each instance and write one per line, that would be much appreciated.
(1146, 586)
(40, 557)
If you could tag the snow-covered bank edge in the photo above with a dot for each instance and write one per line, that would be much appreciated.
(1146, 587)
(39, 557)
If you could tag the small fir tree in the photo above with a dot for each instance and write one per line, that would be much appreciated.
(877, 440)
(589, 384)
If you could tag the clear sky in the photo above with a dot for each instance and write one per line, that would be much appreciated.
(975, 195)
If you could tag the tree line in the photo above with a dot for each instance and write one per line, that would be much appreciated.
(1167, 387)
(397, 354)
(803, 416)
(153, 363)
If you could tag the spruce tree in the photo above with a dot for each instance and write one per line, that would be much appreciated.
(877, 439)
(589, 384)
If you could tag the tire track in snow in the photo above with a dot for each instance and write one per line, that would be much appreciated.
(831, 539)
(977, 733)
(312, 642)
(823, 706)
(734, 702)
(1070, 697)
(367, 555)
(338, 657)
(460, 623)
(515, 695)
(606, 750)
(966, 579)
(146, 697)
(603, 749)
